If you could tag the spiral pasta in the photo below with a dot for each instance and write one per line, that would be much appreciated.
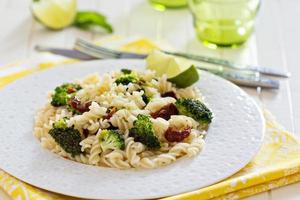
(100, 115)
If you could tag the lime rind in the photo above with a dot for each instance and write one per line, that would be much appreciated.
(186, 78)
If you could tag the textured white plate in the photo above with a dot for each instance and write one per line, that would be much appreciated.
(234, 137)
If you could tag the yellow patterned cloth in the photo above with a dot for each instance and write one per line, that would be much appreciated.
(276, 164)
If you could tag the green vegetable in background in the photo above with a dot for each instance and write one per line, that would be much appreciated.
(90, 19)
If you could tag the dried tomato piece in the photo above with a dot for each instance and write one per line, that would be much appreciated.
(169, 94)
(110, 112)
(173, 135)
(71, 90)
(165, 112)
(75, 103)
(85, 132)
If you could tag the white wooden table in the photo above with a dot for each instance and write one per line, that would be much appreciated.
(276, 42)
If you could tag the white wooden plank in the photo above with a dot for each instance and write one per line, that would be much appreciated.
(246, 54)
(43, 36)
(290, 16)
(13, 4)
(14, 34)
(117, 13)
(270, 53)
(174, 28)
(143, 20)
(71, 33)
(290, 192)
(261, 196)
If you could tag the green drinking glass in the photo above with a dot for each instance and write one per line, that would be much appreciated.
(163, 4)
(223, 23)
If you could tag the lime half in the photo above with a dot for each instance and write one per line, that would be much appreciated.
(179, 71)
(54, 14)
(186, 78)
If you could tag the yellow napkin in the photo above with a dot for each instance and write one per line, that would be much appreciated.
(277, 163)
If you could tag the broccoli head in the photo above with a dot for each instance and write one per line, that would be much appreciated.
(143, 132)
(66, 137)
(62, 123)
(111, 139)
(126, 79)
(71, 87)
(194, 109)
(63, 93)
(126, 71)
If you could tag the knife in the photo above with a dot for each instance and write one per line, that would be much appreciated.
(243, 78)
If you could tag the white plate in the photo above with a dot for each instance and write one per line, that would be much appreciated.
(234, 137)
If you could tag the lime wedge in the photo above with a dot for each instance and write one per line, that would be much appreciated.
(186, 78)
(179, 71)
(54, 14)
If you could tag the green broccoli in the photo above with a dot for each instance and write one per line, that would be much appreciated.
(71, 87)
(126, 79)
(62, 123)
(67, 137)
(63, 93)
(194, 109)
(143, 132)
(111, 139)
(126, 71)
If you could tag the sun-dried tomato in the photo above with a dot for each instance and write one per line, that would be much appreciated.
(169, 94)
(165, 112)
(75, 103)
(110, 112)
(173, 135)
(85, 132)
(71, 90)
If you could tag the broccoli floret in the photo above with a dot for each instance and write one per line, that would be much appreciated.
(143, 132)
(69, 87)
(126, 79)
(67, 137)
(126, 71)
(62, 123)
(194, 109)
(63, 93)
(111, 139)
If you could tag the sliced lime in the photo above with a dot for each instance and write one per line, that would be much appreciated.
(186, 78)
(179, 71)
(54, 14)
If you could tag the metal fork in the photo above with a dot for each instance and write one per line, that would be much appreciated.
(102, 52)
(240, 77)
